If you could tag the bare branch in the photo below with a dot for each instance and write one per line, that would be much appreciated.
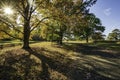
(21, 12)
(39, 23)
(36, 7)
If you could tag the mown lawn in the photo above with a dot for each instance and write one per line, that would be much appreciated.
(72, 61)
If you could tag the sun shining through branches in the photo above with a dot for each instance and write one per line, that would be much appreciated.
(8, 10)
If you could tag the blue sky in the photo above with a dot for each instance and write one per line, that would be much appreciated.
(109, 13)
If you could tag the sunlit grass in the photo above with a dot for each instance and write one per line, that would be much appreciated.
(118, 42)
(82, 41)
(53, 47)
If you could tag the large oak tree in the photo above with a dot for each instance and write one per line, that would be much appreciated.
(28, 10)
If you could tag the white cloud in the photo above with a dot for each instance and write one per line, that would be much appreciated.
(107, 11)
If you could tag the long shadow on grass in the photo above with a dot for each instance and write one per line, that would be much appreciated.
(92, 50)
(19, 67)
(106, 62)
(66, 68)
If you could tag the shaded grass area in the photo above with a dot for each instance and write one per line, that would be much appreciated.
(49, 61)
(109, 46)
(6, 44)
(14, 42)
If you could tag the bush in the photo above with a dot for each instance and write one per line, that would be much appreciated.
(36, 37)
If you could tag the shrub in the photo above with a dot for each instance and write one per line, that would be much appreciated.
(37, 37)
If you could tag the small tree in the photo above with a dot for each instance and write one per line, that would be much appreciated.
(114, 35)
(90, 25)
(98, 36)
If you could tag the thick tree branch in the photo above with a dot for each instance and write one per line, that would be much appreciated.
(10, 35)
(33, 8)
(23, 4)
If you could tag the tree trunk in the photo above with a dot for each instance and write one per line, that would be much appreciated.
(87, 39)
(61, 37)
(26, 35)
(26, 30)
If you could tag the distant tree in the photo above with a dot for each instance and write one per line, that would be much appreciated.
(114, 35)
(90, 25)
(98, 36)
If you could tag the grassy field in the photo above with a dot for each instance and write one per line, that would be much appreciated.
(72, 61)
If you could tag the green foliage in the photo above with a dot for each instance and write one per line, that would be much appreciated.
(53, 37)
(50, 31)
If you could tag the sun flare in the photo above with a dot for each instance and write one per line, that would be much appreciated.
(8, 10)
